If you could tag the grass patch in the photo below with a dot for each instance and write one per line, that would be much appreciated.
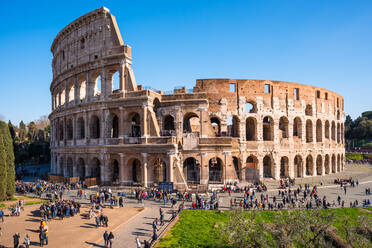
(2, 205)
(197, 228)
(33, 203)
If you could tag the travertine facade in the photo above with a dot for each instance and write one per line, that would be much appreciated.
(224, 131)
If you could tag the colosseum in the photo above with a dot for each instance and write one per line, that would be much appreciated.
(223, 131)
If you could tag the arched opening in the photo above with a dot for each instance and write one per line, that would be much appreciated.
(297, 128)
(319, 134)
(338, 133)
(333, 132)
(61, 166)
(63, 96)
(342, 133)
(233, 126)
(251, 129)
(268, 167)
(309, 166)
(326, 129)
(80, 128)
(71, 93)
(114, 131)
(309, 110)
(94, 127)
(60, 130)
(342, 162)
(70, 130)
(136, 125)
(237, 167)
(268, 128)
(215, 170)
(216, 126)
(160, 171)
(309, 131)
(168, 123)
(251, 169)
(81, 168)
(326, 164)
(333, 163)
(115, 79)
(319, 165)
(338, 163)
(115, 170)
(70, 168)
(97, 86)
(136, 171)
(156, 106)
(338, 114)
(284, 167)
(82, 89)
(191, 168)
(250, 107)
(95, 170)
(298, 167)
(283, 127)
(191, 123)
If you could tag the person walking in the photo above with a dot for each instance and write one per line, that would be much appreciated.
(110, 239)
(27, 241)
(2, 215)
(138, 242)
(16, 238)
(105, 238)
(41, 237)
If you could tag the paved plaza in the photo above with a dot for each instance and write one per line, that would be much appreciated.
(136, 218)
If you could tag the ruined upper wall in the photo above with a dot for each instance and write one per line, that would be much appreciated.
(91, 37)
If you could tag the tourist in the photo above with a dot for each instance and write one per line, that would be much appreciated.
(138, 242)
(27, 241)
(2, 215)
(16, 238)
(105, 238)
(41, 237)
(110, 239)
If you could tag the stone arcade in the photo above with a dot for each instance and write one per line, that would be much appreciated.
(106, 126)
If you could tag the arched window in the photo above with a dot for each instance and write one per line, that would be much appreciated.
(97, 86)
(268, 167)
(81, 168)
(298, 169)
(338, 133)
(136, 125)
(326, 164)
(319, 165)
(268, 128)
(70, 131)
(284, 167)
(160, 171)
(237, 166)
(95, 170)
(63, 96)
(283, 127)
(309, 131)
(333, 132)
(80, 128)
(191, 123)
(233, 126)
(191, 169)
(168, 123)
(309, 110)
(115, 82)
(94, 127)
(156, 106)
(250, 107)
(215, 170)
(326, 129)
(216, 126)
(309, 166)
(115, 170)
(82, 89)
(136, 171)
(70, 166)
(60, 131)
(71, 93)
(114, 132)
(333, 163)
(251, 169)
(297, 127)
(251, 129)
(319, 133)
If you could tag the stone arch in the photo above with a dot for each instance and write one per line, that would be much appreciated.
(71, 92)
(82, 89)
(95, 168)
(191, 123)
(191, 169)
(333, 132)
(268, 128)
(237, 167)
(251, 169)
(160, 170)
(319, 165)
(60, 130)
(69, 130)
(114, 126)
(250, 107)
(309, 110)
(326, 164)
(338, 114)
(283, 127)
(95, 127)
(135, 125)
(268, 167)
(168, 123)
(97, 85)
(115, 81)
(61, 166)
(298, 166)
(309, 131)
(284, 167)
(338, 133)
(215, 170)
(62, 96)
(70, 167)
(136, 170)
(80, 128)
(81, 168)
(342, 162)
(216, 126)
(326, 129)
(251, 129)
(319, 133)
(156, 106)
(297, 127)
(309, 165)
(233, 126)
(333, 163)
(115, 168)
(338, 163)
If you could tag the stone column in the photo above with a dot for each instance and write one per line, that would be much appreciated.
(202, 109)
(122, 76)
(224, 174)
(204, 173)
(75, 168)
(86, 127)
(74, 129)
(144, 121)
(66, 93)
(291, 166)
(276, 166)
(144, 170)
(170, 176)
(121, 169)
(121, 122)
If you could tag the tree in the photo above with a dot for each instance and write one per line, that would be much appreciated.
(9, 159)
(3, 170)
(22, 131)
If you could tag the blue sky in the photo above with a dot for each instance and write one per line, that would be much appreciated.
(322, 43)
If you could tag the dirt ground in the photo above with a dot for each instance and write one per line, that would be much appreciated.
(77, 231)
